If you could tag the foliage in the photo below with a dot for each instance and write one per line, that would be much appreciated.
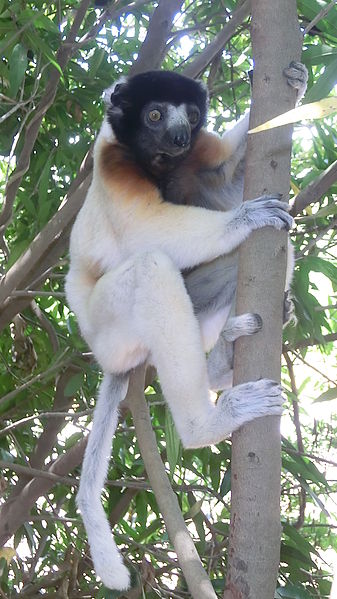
(48, 379)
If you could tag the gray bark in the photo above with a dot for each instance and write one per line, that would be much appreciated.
(255, 519)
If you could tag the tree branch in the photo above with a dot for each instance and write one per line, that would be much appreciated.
(195, 575)
(39, 255)
(330, 338)
(322, 13)
(315, 190)
(254, 546)
(194, 68)
(33, 127)
(153, 48)
(13, 514)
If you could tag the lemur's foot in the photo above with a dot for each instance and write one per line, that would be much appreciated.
(297, 77)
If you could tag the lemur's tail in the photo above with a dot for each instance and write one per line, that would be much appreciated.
(107, 560)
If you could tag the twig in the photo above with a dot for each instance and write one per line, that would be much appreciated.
(46, 325)
(37, 292)
(195, 575)
(105, 16)
(35, 379)
(65, 415)
(322, 13)
(15, 513)
(311, 456)
(45, 240)
(315, 190)
(331, 337)
(300, 446)
(323, 308)
(34, 473)
(194, 68)
(322, 374)
(313, 241)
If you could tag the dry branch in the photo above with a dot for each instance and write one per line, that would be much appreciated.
(197, 580)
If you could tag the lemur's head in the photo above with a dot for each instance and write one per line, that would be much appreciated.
(157, 115)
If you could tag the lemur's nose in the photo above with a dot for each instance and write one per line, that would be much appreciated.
(180, 137)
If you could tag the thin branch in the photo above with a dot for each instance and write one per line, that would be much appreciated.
(64, 415)
(322, 374)
(330, 338)
(194, 68)
(312, 243)
(108, 15)
(154, 48)
(41, 246)
(46, 325)
(14, 514)
(322, 13)
(323, 308)
(37, 293)
(35, 379)
(315, 190)
(197, 580)
(35, 473)
(62, 58)
(300, 446)
(311, 456)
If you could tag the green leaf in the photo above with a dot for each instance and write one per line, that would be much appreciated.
(105, 593)
(73, 385)
(320, 265)
(225, 486)
(194, 510)
(327, 395)
(173, 443)
(298, 540)
(288, 553)
(324, 84)
(318, 53)
(17, 68)
(316, 499)
(293, 592)
(72, 440)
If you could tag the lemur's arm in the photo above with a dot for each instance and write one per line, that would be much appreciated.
(189, 235)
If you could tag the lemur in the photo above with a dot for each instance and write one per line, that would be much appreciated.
(129, 246)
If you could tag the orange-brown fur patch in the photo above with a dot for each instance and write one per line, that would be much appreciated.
(120, 171)
(209, 151)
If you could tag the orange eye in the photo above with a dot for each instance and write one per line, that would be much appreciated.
(154, 115)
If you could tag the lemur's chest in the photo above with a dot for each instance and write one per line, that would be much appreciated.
(210, 188)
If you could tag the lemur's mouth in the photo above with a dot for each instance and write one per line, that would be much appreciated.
(173, 152)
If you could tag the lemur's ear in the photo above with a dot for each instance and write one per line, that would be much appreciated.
(119, 96)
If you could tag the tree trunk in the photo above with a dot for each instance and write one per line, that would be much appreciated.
(254, 545)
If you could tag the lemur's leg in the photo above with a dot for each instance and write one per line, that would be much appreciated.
(143, 306)
(220, 359)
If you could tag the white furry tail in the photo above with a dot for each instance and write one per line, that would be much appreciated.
(107, 560)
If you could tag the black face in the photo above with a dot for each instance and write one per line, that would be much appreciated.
(165, 133)
(157, 116)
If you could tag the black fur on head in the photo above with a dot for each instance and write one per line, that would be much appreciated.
(130, 96)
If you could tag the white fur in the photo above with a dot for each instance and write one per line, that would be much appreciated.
(124, 285)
